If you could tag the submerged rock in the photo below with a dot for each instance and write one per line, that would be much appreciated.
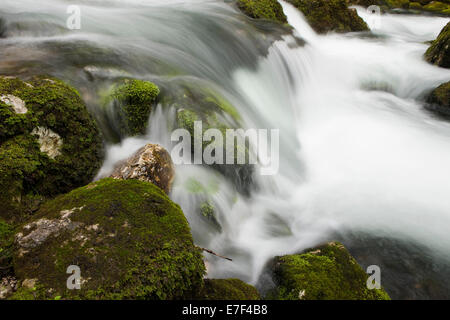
(439, 51)
(129, 106)
(330, 15)
(151, 163)
(263, 9)
(128, 238)
(49, 143)
(327, 272)
(439, 99)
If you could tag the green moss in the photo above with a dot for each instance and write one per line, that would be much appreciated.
(330, 15)
(439, 99)
(263, 9)
(439, 51)
(6, 248)
(132, 101)
(328, 272)
(24, 169)
(227, 289)
(128, 238)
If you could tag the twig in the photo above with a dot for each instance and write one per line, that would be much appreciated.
(213, 253)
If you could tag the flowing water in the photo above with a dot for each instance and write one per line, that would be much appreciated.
(361, 160)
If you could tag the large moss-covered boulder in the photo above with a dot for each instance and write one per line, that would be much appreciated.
(129, 106)
(439, 51)
(227, 289)
(330, 15)
(49, 143)
(263, 9)
(128, 238)
(327, 272)
(439, 99)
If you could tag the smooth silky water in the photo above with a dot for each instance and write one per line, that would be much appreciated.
(361, 160)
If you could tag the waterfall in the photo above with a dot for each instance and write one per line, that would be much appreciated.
(358, 152)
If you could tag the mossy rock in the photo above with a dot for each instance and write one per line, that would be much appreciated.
(330, 15)
(6, 248)
(215, 112)
(327, 272)
(263, 9)
(128, 238)
(439, 100)
(129, 106)
(227, 289)
(439, 51)
(49, 143)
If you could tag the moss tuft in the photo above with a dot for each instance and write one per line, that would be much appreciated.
(6, 248)
(132, 101)
(263, 9)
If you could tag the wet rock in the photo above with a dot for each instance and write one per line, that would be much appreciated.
(327, 272)
(439, 100)
(7, 287)
(330, 15)
(151, 163)
(439, 51)
(263, 9)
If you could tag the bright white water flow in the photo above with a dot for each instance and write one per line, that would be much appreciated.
(362, 161)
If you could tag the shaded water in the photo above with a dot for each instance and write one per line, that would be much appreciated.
(361, 160)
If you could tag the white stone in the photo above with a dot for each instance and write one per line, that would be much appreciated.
(49, 141)
(16, 103)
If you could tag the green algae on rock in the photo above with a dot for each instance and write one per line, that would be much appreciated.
(439, 51)
(330, 15)
(263, 9)
(227, 289)
(49, 143)
(327, 272)
(439, 100)
(128, 238)
(131, 103)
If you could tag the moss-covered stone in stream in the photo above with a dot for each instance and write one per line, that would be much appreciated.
(49, 143)
(128, 238)
(263, 9)
(439, 51)
(132, 103)
(215, 112)
(330, 15)
(227, 289)
(439, 100)
(328, 272)
(6, 248)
